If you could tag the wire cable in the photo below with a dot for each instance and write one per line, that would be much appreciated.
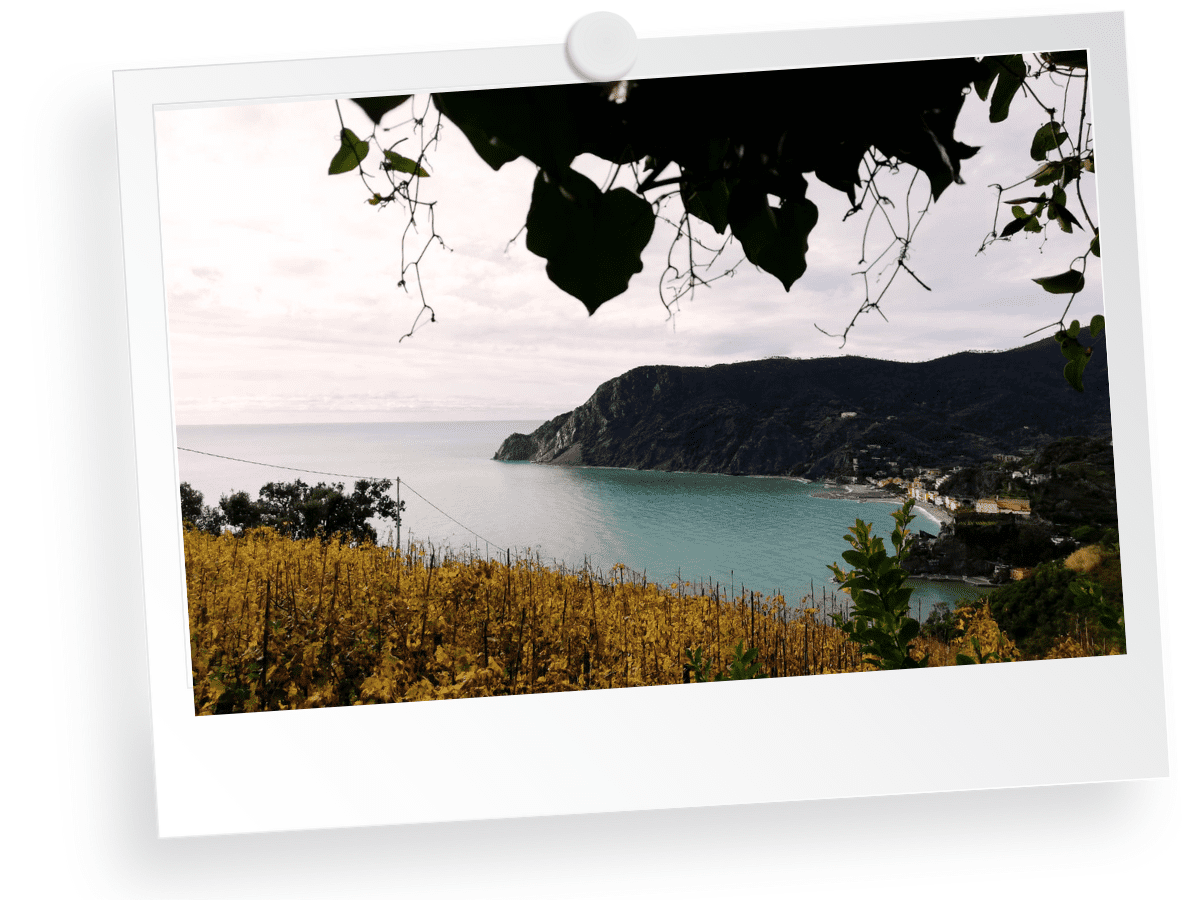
(251, 462)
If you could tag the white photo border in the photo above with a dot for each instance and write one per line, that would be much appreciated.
(1020, 724)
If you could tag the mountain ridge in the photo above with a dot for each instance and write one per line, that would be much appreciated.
(828, 416)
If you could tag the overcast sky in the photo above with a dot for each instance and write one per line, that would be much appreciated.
(283, 304)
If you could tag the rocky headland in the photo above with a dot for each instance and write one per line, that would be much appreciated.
(820, 418)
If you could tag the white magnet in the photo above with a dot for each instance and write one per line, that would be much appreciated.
(602, 46)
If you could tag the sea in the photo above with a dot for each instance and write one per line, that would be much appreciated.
(743, 533)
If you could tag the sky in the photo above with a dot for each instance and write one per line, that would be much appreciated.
(281, 281)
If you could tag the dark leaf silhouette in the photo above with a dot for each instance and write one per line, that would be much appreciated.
(378, 107)
(592, 242)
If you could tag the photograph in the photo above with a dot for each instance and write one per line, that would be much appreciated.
(659, 381)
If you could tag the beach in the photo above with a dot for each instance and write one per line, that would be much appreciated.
(868, 493)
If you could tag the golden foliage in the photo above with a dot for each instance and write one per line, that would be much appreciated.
(1068, 647)
(1085, 559)
(1078, 646)
(974, 623)
(977, 634)
(283, 624)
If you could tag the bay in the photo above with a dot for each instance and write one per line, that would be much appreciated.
(755, 534)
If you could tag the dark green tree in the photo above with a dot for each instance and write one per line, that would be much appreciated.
(296, 509)
(240, 511)
(195, 514)
(301, 511)
(1054, 601)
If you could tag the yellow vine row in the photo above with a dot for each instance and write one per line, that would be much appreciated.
(283, 624)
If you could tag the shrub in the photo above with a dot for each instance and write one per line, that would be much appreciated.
(879, 621)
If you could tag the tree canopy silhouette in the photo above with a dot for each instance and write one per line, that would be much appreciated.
(740, 150)
(296, 509)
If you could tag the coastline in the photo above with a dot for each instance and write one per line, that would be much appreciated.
(860, 493)
(866, 493)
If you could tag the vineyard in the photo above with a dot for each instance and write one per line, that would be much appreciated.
(278, 623)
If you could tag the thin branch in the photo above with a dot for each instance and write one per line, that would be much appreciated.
(1079, 178)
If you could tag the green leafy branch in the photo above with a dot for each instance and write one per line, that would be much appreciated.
(878, 620)
(744, 665)
(1095, 610)
(1064, 160)
(981, 658)
(1076, 353)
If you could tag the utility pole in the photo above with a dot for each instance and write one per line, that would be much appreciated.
(397, 514)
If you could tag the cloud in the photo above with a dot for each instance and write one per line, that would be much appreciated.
(283, 297)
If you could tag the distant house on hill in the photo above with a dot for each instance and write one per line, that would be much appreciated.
(1003, 505)
(1015, 507)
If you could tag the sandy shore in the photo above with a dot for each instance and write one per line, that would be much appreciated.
(868, 493)
(936, 513)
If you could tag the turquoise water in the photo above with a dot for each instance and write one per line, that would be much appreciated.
(763, 534)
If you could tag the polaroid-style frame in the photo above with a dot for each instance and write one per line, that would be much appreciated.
(1064, 721)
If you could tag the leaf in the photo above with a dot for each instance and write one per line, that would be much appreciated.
(984, 84)
(1071, 169)
(539, 123)
(855, 558)
(377, 107)
(963, 660)
(1048, 173)
(1073, 330)
(1011, 75)
(710, 205)
(773, 238)
(1073, 372)
(1070, 346)
(1049, 137)
(1095, 248)
(1065, 218)
(1013, 227)
(349, 155)
(592, 242)
(1068, 282)
(1096, 326)
(397, 163)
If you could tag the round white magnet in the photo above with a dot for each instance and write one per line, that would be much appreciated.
(602, 46)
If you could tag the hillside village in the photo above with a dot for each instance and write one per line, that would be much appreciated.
(1002, 517)
(925, 486)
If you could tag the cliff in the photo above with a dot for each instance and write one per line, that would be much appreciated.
(821, 417)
